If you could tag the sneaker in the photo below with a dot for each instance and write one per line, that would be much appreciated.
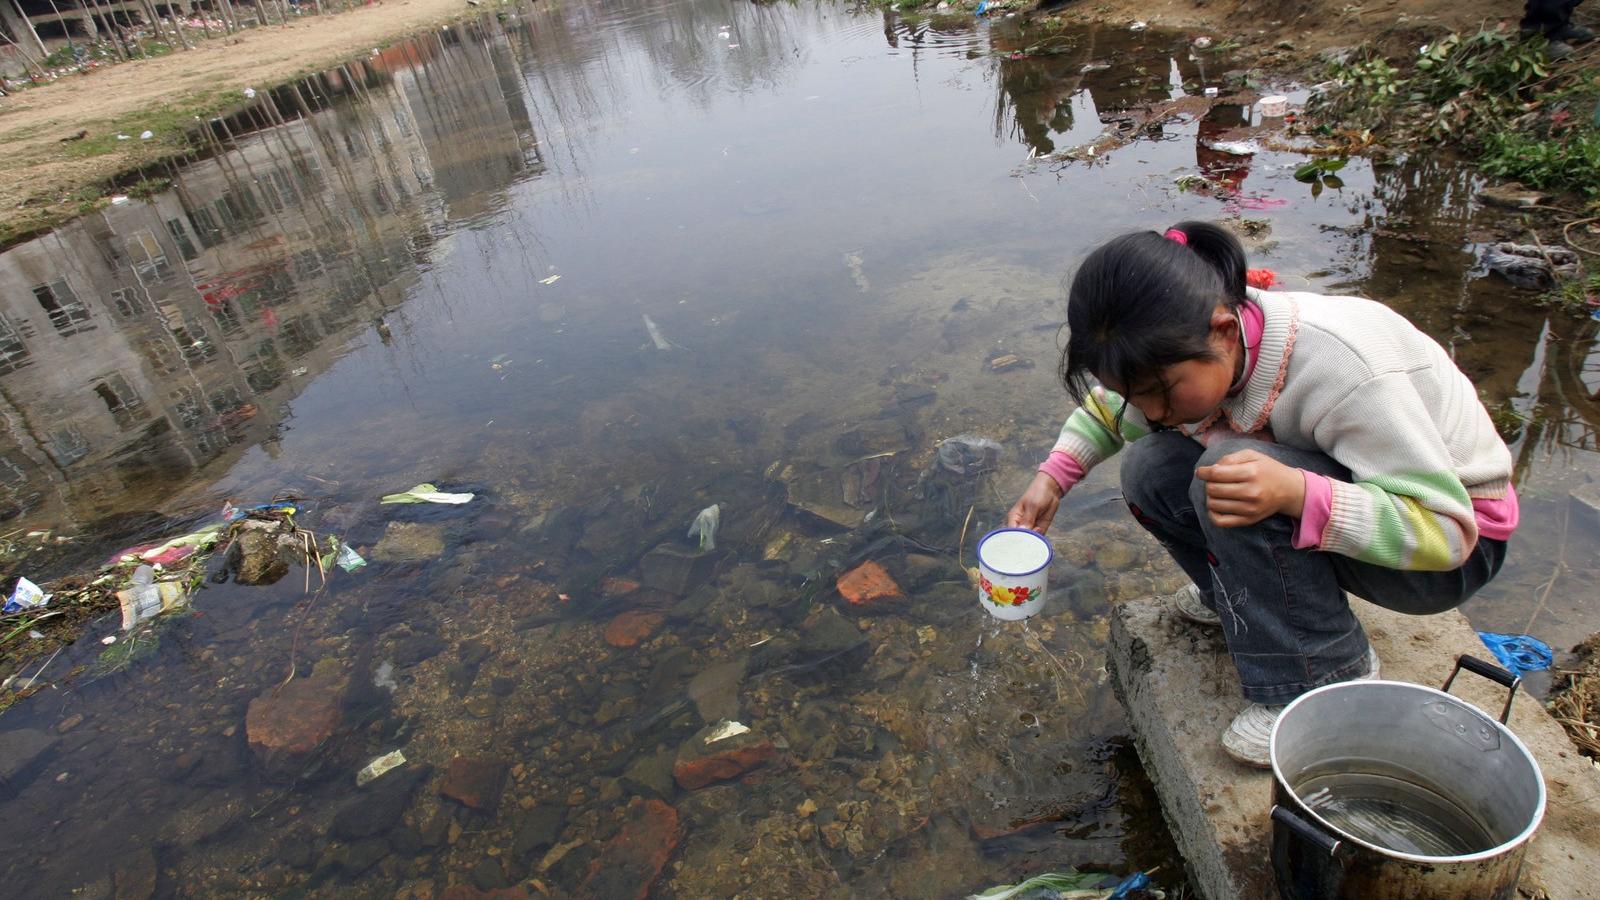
(1554, 49)
(1372, 666)
(1250, 733)
(1186, 600)
(1572, 34)
(1247, 736)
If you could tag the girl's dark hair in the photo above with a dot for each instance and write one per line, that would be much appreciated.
(1143, 301)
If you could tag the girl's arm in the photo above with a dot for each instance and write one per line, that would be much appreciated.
(1092, 434)
(1405, 508)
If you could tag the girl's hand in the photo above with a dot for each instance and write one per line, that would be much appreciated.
(1037, 506)
(1245, 487)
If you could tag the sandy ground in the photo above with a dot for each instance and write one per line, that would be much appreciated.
(40, 175)
(38, 172)
(1309, 25)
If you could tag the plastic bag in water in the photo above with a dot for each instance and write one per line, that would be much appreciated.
(705, 525)
(968, 455)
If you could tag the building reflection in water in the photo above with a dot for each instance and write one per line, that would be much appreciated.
(152, 338)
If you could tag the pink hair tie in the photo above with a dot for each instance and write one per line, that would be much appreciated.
(1177, 236)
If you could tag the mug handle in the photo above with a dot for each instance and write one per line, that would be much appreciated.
(1489, 670)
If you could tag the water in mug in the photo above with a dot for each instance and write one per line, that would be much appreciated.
(1015, 552)
(1393, 808)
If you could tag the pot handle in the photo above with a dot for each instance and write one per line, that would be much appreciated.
(1489, 670)
(1298, 824)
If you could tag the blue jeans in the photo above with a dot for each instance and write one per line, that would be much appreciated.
(1285, 617)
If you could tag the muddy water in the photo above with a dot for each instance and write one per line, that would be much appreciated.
(605, 265)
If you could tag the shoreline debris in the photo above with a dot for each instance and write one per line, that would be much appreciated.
(427, 493)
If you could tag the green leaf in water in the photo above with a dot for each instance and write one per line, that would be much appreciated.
(1070, 880)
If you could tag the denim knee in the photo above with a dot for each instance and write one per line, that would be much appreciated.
(1213, 454)
(1157, 469)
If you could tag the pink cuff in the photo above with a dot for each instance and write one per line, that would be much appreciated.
(1063, 468)
(1315, 513)
(1498, 518)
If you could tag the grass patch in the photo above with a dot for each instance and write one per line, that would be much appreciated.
(169, 126)
(1569, 162)
(1493, 93)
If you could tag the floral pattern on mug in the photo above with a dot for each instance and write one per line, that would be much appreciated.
(1004, 596)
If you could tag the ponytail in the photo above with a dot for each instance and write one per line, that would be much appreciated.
(1143, 301)
(1221, 251)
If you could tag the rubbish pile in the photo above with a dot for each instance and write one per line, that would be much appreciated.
(259, 545)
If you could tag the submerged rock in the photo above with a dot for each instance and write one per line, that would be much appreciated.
(674, 569)
(651, 775)
(715, 691)
(414, 648)
(474, 782)
(262, 551)
(868, 584)
(702, 761)
(379, 806)
(20, 751)
(537, 829)
(409, 542)
(633, 626)
(830, 641)
(285, 726)
(136, 878)
(630, 862)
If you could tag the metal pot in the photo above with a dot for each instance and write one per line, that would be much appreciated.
(1383, 789)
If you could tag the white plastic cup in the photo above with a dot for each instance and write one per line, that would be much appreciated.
(1013, 568)
(1274, 107)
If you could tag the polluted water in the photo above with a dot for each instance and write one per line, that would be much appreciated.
(340, 297)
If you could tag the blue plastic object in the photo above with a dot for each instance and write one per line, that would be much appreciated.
(1138, 881)
(983, 7)
(1519, 653)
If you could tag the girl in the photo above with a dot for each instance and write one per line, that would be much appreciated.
(1284, 448)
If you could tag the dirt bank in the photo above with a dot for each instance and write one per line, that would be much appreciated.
(1308, 26)
(43, 180)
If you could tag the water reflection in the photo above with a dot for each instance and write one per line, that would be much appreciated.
(150, 339)
(452, 260)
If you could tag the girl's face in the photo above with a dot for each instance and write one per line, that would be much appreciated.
(1187, 393)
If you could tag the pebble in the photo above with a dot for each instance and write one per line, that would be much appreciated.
(69, 723)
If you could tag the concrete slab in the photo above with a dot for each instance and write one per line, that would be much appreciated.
(1181, 691)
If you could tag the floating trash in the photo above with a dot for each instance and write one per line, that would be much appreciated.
(375, 769)
(656, 337)
(426, 493)
(26, 595)
(704, 526)
(727, 730)
(1234, 148)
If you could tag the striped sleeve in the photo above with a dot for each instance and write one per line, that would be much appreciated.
(1095, 432)
(1414, 515)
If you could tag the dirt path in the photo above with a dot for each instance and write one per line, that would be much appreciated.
(45, 181)
(1308, 25)
(39, 174)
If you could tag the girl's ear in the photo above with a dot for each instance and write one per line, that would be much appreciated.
(1224, 324)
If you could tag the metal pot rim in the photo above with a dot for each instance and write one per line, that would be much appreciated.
(1303, 809)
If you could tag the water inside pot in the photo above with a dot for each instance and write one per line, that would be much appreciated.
(1393, 808)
